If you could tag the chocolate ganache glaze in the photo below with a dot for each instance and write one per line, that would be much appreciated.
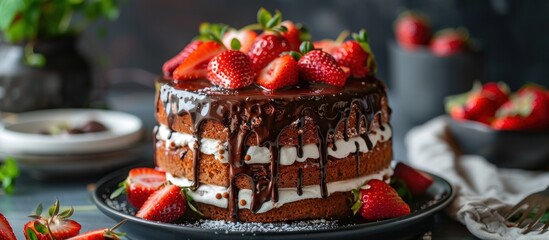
(262, 116)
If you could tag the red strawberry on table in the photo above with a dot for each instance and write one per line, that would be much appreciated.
(449, 42)
(416, 181)
(356, 55)
(196, 64)
(6, 232)
(165, 205)
(246, 38)
(231, 69)
(101, 234)
(320, 66)
(140, 184)
(281, 72)
(412, 30)
(379, 201)
(56, 225)
(170, 65)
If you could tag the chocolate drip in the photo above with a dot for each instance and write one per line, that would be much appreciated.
(253, 116)
(357, 158)
(183, 153)
(300, 181)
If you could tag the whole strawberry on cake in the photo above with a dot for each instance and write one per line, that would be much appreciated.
(257, 124)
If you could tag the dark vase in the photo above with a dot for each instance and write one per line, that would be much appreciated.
(64, 82)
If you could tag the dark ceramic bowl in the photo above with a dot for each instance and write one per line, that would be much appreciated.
(506, 149)
(421, 80)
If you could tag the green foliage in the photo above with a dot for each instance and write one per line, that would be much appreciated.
(26, 20)
(8, 173)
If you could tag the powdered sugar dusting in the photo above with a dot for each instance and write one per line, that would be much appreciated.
(224, 227)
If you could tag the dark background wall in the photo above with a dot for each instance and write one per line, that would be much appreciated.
(514, 34)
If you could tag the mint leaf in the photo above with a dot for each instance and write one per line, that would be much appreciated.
(8, 173)
(8, 10)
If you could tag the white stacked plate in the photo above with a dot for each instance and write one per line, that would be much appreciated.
(71, 154)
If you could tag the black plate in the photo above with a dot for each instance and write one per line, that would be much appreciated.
(411, 226)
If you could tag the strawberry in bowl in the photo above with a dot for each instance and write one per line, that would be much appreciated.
(508, 129)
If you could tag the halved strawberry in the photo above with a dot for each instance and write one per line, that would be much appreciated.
(378, 201)
(329, 45)
(140, 184)
(170, 65)
(56, 226)
(231, 69)
(416, 181)
(320, 66)
(326, 45)
(281, 72)
(245, 36)
(196, 64)
(6, 232)
(101, 234)
(165, 205)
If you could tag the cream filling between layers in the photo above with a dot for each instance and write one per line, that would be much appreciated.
(262, 155)
(206, 193)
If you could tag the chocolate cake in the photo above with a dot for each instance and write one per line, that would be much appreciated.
(272, 133)
(301, 142)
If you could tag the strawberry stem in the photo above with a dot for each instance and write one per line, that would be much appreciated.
(306, 47)
(342, 36)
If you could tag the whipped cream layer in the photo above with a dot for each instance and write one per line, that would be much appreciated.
(262, 155)
(206, 193)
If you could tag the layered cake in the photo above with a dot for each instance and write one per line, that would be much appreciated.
(265, 139)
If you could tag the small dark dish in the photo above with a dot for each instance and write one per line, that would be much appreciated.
(506, 149)
(411, 226)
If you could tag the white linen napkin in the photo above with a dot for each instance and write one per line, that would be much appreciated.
(483, 192)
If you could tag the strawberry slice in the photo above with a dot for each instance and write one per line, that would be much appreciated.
(141, 183)
(196, 64)
(320, 66)
(170, 65)
(55, 226)
(327, 45)
(165, 205)
(281, 72)
(379, 201)
(416, 181)
(101, 234)
(231, 69)
(246, 38)
(6, 232)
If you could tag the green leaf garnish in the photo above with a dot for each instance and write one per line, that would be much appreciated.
(8, 174)
(120, 190)
(31, 234)
(356, 201)
(263, 17)
(39, 227)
